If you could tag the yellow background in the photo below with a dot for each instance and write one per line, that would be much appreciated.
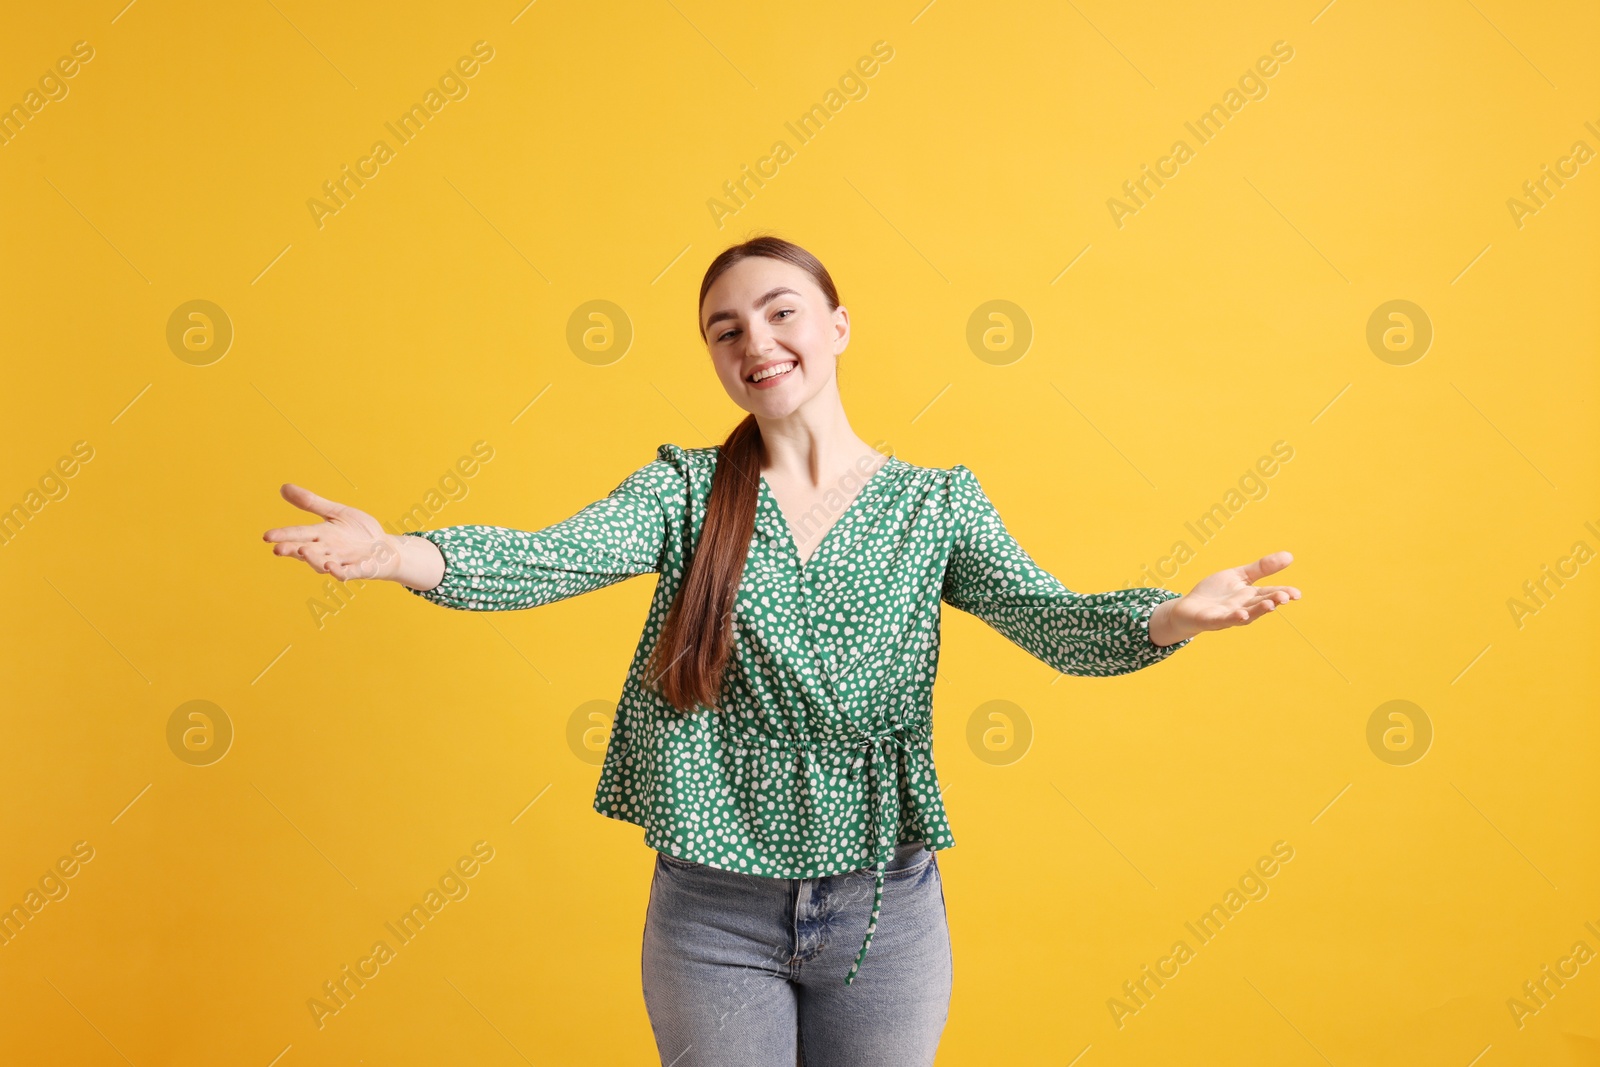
(372, 750)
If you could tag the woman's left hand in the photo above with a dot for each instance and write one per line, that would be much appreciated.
(1226, 598)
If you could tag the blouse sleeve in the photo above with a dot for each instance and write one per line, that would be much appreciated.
(992, 577)
(626, 533)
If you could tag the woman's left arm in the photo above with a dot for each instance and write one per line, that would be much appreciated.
(1093, 634)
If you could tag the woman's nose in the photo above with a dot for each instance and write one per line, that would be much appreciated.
(758, 340)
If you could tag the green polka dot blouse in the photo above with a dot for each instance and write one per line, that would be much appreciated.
(818, 758)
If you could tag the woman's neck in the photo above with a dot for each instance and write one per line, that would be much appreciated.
(810, 446)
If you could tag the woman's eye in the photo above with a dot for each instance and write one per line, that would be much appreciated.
(781, 311)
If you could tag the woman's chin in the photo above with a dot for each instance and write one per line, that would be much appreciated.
(775, 402)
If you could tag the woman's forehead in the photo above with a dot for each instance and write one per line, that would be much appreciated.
(756, 287)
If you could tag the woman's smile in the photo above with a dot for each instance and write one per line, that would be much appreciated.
(769, 374)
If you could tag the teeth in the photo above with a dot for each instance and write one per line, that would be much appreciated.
(771, 372)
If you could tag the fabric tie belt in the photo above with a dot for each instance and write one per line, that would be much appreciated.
(879, 750)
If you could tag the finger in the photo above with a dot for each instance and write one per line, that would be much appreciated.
(1242, 611)
(367, 567)
(1218, 616)
(296, 533)
(1252, 611)
(315, 556)
(347, 565)
(363, 568)
(1254, 572)
(362, 554)
(350, 563)
(309, 501)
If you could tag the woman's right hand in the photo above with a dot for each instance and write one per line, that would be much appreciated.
(349, 543)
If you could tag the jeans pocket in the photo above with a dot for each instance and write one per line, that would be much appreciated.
(914, 864)
(677, 863)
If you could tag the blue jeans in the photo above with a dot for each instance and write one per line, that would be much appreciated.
(744, 970)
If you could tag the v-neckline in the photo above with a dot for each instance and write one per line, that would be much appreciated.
(783, 520)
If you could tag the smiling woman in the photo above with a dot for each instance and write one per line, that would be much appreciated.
(774, 734)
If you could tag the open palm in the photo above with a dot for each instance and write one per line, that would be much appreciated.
(1230, 597)
(348, 543)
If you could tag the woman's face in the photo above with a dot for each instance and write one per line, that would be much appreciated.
(767, 314)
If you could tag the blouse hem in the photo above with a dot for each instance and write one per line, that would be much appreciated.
(829, 873)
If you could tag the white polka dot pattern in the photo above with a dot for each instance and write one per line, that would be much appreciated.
(817, 758)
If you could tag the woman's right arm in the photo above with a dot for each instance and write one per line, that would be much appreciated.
(494, 568)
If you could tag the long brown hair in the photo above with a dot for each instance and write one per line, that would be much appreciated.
(688, 662)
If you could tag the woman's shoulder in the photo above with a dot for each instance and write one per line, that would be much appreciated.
(931, 476)
(918, 479)
(689, 468)
(930, 471)
(687, 458)
(680, 473)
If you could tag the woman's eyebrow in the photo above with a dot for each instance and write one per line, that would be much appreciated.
(762, 301)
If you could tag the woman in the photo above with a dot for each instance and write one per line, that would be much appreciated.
(773, 735)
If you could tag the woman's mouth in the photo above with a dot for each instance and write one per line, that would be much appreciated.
(771, 375)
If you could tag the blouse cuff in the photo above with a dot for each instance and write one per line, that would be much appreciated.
(1152, 652)
(446, 593)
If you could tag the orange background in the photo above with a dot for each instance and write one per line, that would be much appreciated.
(1168, 350)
